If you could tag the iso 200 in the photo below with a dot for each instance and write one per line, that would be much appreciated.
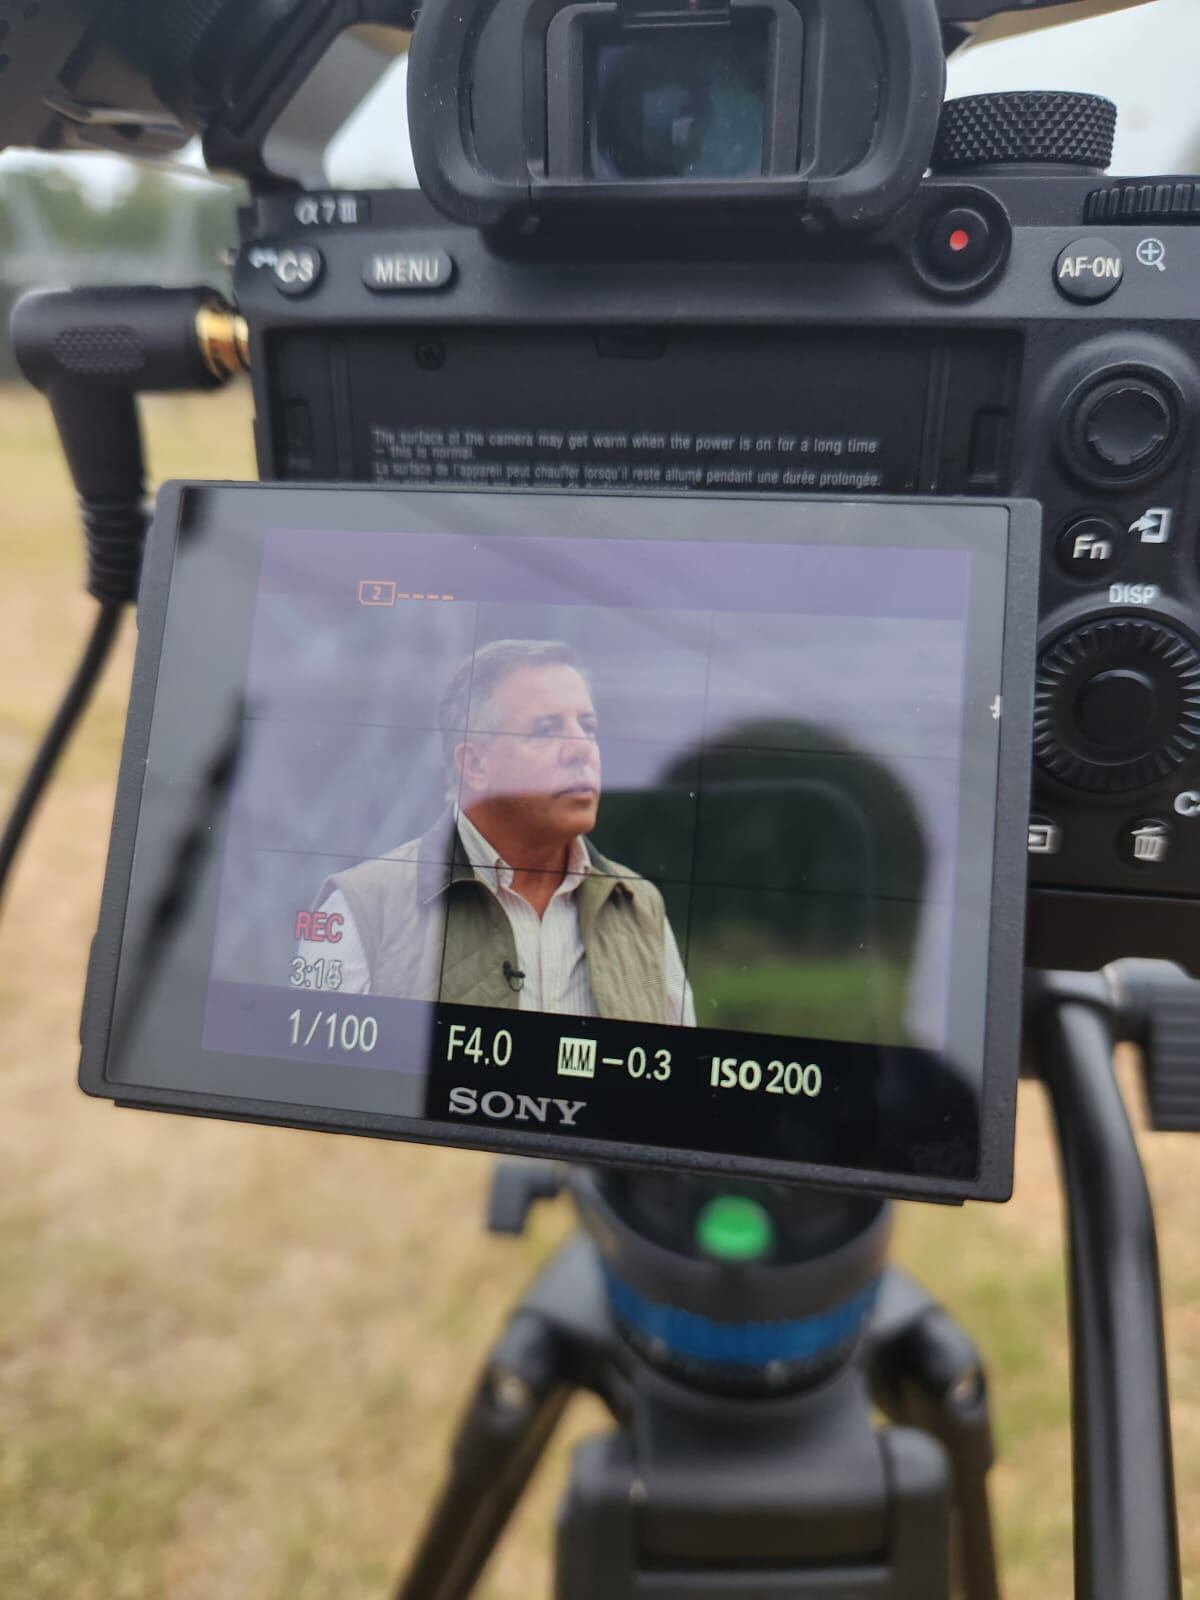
(775, 1077)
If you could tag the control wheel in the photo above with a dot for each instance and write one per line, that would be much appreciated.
(1042, 129)
(1117, 704)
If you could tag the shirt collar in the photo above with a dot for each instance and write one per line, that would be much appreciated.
(489, 865)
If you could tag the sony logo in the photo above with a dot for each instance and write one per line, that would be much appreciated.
(502, 1107)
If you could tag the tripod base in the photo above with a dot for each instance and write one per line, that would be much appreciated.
(811, 1506)
(698, 1495)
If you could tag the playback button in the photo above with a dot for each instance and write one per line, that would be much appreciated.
(1090, 546)
(1045, 837)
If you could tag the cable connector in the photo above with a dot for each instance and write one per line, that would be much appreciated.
(224, 339)
(92, 352)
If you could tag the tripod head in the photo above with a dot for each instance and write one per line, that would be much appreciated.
(802, 1266)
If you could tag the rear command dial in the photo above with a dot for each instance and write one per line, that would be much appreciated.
(1118, 704)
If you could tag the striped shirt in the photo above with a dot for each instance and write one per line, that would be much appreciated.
(550, 949)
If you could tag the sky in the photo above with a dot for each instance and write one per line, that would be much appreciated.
(1144, 59)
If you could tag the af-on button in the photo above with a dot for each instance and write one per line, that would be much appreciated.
(1089, 270)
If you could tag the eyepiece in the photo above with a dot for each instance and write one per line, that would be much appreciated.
(710, 105)
(679, 101)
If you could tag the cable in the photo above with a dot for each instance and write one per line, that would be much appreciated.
(74, 702)
(92, 352)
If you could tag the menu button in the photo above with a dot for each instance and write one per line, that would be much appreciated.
(407, 271)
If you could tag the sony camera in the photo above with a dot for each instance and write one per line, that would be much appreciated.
(747, 248)
(609, 734)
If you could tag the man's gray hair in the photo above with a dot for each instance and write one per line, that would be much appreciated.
(467, 702)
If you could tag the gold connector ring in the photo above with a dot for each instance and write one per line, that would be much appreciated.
(224, 340)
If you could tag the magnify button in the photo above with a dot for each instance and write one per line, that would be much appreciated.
(1153, 253)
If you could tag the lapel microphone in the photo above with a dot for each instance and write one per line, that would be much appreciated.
(514, 979)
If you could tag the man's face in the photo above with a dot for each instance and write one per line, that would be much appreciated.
(537, 756)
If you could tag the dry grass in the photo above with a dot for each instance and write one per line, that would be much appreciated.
(230, 1358)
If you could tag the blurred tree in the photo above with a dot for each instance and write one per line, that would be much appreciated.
(56, 230)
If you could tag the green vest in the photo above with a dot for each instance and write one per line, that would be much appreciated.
(433, 931)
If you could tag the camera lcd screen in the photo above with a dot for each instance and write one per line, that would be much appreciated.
(679, 830)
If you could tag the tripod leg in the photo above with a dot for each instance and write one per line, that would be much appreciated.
(1126, 1535)
(556, 1341)
(515, 1408)
(926, 1373)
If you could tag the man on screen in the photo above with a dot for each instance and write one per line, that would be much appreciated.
(505, 901)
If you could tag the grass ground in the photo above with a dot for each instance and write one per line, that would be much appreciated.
(231, 1357)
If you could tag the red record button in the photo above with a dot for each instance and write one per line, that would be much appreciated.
(960, 247)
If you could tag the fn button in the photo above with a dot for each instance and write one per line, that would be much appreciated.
(1090, 546)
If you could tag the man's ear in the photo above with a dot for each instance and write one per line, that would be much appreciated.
(470, 759)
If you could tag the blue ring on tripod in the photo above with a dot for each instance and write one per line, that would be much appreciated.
(740, 1344)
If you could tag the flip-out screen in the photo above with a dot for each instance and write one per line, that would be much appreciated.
(606, 826)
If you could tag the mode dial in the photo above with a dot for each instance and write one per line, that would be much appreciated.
(988, 130)
(1117, 704)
